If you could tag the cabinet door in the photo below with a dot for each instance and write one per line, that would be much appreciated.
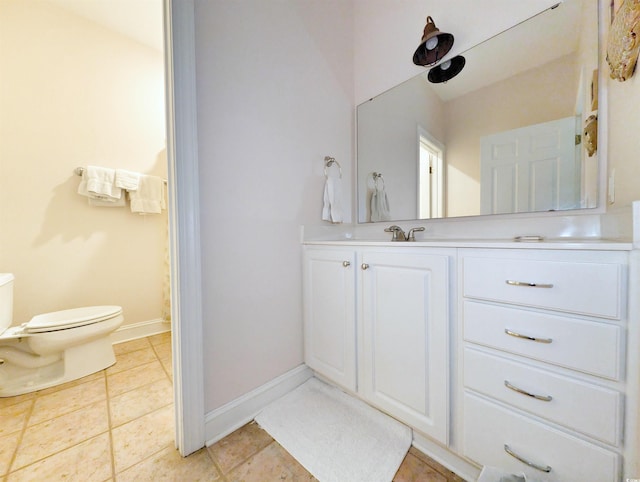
(405, 326)
(329, 314)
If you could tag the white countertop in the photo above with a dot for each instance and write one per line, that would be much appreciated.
(561, 243)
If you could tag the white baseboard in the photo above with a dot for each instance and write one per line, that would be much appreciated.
(443, 456)
(142, 329)
(222, 421)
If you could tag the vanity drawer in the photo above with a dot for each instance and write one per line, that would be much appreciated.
(581, 406)
(490, 429)
(591, 347)
(577, 287)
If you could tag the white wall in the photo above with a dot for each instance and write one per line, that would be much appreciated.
(74, 93)
(275, 95)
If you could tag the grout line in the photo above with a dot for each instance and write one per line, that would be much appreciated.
(25, 425)
(109, 425)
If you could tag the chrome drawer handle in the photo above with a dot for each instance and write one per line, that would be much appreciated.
(527, 284)
(364, 266)
(527, 337)
(544, 398)
(541, 468)
(346, 264)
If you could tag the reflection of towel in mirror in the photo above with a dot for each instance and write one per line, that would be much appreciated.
(380, 204)
(332, 207)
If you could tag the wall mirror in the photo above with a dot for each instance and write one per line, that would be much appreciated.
(506, 135)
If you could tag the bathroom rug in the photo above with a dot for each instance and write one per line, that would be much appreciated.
(335, 436)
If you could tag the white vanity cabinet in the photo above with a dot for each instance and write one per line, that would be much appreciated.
(404, 323)
(542, 356)
(330, 314)
(385, 311)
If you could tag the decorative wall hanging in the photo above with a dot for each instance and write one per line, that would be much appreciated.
(591, 134)
(623, 43)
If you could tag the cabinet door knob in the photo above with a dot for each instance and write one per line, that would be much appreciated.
(364, 266)
(346, 264)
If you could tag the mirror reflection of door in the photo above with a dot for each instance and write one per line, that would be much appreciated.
(430, 176)
(534, 168)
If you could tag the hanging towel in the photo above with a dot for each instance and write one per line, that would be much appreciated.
(98, 183)
(117, 203)
(149, 197)
(332, 207)
(380, 203)
(128, 180)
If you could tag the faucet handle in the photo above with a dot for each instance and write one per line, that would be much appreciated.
(398, 233)
(411, 236)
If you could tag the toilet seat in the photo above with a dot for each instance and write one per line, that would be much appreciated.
(73, 318)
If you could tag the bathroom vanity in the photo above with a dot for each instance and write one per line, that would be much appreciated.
(519, 355)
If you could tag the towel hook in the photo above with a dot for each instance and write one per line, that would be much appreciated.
(330, 161)
(377, 176)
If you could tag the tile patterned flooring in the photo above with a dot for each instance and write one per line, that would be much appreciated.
(117, 425)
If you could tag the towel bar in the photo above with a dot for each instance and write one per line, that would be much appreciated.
(78, 171)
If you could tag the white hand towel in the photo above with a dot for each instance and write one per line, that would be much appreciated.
(97, 186)
(99, 183)
(149, 197)
(128, 180)
(111, 203)
(332, 207)
(380, 204)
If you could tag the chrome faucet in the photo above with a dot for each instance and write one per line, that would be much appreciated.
(411, 236)
(398, 233)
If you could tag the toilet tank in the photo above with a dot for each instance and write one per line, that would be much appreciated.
(6, 300)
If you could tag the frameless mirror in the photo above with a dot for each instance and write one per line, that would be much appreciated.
(506, 135)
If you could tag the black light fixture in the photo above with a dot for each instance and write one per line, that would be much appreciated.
(434, 45)
(446, 70)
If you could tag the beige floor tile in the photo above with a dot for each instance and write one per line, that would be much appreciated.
(13, 417)
(73, 383)
(58, 403)
(132, 359)
(44, 439)
(140, 401)
(8, 444)
(160, 338)
(167, 364)
(272, 463)
(87, 461)
(168, 465)
(238, 446)
(135, 441)
(8, 401)
(133, 345)
(452, 477)
(119, 383)
(163, 350)
(413, 469)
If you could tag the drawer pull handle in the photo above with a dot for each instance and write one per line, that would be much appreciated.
(541, 468)
(527, 337)
(544, 398)
(346, 264)
(527, 284)
(364, 266)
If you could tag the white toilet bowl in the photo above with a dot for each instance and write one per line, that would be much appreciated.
(53, 348)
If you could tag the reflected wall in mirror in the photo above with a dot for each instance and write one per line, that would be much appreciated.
(504, 136)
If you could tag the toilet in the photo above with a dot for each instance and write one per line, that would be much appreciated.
(53, 348)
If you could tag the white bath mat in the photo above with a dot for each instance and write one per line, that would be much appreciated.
(335, 436)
